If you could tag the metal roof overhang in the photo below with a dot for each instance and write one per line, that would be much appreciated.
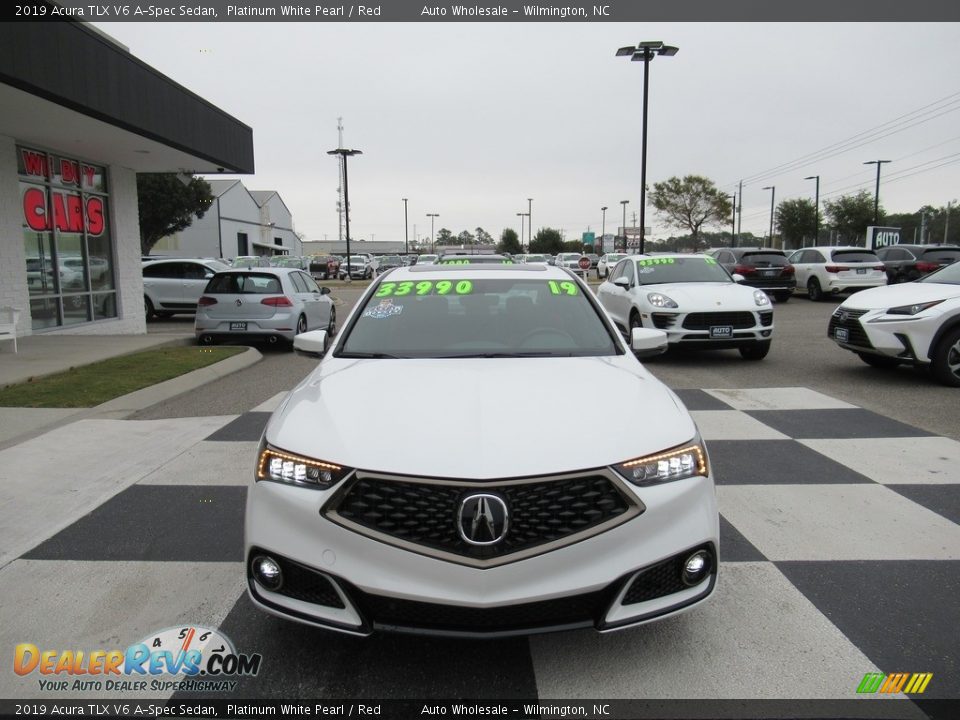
(68, 87)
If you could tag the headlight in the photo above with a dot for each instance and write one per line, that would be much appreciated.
(284, 467)
(912, 309)
(686, 461)
(760, 298)
(661, 301)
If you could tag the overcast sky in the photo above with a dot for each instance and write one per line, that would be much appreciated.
(470, 120)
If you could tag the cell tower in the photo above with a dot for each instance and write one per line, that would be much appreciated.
(340, 162)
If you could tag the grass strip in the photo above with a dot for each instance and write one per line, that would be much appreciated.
(91, 385)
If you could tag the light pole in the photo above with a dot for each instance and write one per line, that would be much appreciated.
(624, 203)
(876, 195)
(529, 220)
(816, 212)
(603, 228)
(406, 229)
(520, 215)
(645, 52)
(773, 192)
(433, 243)
(344, 153)
(733, 221)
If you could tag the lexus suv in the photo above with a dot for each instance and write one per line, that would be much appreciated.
(351, 526)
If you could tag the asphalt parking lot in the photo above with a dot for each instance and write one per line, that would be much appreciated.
(840, 543)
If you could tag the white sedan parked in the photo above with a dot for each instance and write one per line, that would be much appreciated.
(607, 263)
(916, 323)
(693, 299)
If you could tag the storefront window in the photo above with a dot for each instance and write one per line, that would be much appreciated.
(69, 251)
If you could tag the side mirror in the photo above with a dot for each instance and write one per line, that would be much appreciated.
(324, 290)
(646, 342)
(312, 344)
(738, 278)
(622, 282)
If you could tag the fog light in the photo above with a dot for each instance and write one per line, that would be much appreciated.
(696, 568)
(267, 572)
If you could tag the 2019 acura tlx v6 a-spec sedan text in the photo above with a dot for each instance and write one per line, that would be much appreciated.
(413, 482)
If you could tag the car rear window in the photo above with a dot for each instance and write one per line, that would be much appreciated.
(244, 284)
(764, 259)
(939, 255)
(855, 256)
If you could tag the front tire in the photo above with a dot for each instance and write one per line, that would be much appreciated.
(757, 351)
(813, 290)
(148, 310)
(946, 359)
(332, 325)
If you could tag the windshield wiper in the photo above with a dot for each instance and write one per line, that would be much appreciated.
(368, 356)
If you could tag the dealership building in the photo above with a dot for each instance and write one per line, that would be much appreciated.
(81, 117)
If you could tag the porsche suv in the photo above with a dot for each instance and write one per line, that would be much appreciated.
(493, 531)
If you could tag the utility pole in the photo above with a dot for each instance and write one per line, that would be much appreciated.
(740, 213)
(946, 222)
(340, 207)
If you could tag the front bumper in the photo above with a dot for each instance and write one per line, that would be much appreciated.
(693, 330)
(904, 337)
(365, 585)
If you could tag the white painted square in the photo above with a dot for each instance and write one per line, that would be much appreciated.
(756, 631)
(61, 605)
(896, 461)
(837, 522)
(782, 398)
(733, 425)
(208, 463)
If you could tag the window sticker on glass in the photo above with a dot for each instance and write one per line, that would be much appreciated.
(655, 261)
(424, 287)
(384, 309)
(563, 288)
(710, 261)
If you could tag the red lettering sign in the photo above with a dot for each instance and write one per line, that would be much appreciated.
(88, 175)
(95, 215)
(35, 163)
(69, 172)
(68, 212)
(35, 209)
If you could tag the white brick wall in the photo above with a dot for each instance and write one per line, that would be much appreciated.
(125, 224)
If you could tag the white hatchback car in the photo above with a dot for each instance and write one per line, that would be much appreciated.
(825, 271)
(607, 263)
(916, 322)
(693, 299)
(495, 530)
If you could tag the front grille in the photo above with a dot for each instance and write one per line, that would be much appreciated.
(766, 318)
(585, 609)
(425, 514)
(704, 321)
(663, 321)
(851, 321)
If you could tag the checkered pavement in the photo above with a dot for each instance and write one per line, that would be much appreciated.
(840, 555)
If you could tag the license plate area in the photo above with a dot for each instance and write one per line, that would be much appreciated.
(721, 331)
(861, 271)
(237, 326)
(841, 334)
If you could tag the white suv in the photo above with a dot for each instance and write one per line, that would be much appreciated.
(175, 286)
(833, 270)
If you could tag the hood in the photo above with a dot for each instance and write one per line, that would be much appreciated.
(707, 296)
(479, 418)
(890, 296)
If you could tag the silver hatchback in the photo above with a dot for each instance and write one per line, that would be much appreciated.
(262, 304)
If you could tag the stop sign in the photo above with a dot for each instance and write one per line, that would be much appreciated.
(584, 263)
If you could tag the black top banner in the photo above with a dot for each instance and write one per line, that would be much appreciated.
(503, 11)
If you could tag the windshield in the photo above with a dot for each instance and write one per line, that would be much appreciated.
(535, 258)
(614, 259)
(949, 275)
(654, 271)
(478, 317)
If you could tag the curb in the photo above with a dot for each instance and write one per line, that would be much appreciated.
(126, 405)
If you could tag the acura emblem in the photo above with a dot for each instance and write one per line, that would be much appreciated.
(483, 519)
(239, 302)
(842, 315)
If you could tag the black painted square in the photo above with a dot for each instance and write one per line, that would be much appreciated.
(775, 462)
(838, 423)
(734, 547)
(701, 400)
(902, 614)
(941, 499)
(247, 427)
(173, 523)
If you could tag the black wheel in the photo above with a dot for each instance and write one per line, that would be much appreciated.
(301, 325)
(148, 309)
(332, 325)
(946, 359)
(207, 340)
(757, 351)
(782, 297)
(878, 361)
(813, 290)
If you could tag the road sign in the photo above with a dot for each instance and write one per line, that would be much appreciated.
(584, 263)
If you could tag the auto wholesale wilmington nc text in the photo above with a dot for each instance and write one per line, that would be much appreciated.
(554, 11)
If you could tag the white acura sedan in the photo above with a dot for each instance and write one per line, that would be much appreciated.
(691, 298)
(354, 523)
(916, 323)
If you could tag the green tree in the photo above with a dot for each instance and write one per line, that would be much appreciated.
(445, 237)
(466, 238)
(167, 205)
(483, 237)
(850, 215)
(796, 220)
(509, 242)
(573, 246)
(689, 203)
(547, 241)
